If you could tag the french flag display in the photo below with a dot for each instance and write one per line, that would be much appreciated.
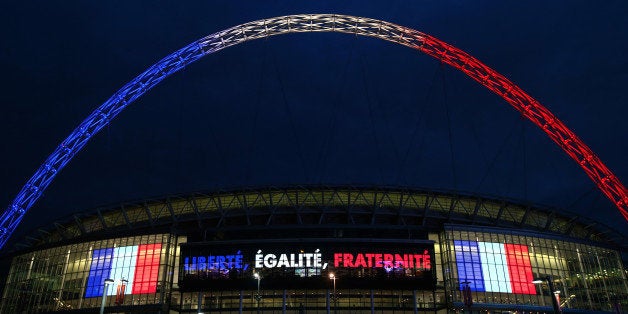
(494, 267)
(138, 264)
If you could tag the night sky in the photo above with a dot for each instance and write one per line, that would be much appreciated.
(315, 109)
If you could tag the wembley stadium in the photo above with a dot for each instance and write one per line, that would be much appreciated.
(318, 250)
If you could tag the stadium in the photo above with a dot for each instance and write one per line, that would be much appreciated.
(318, 249)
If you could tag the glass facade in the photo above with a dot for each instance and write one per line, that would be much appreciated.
(73, 276)
(310, 301)
(497, 267)
(486, 269)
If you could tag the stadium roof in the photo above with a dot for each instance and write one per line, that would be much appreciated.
(344, 206)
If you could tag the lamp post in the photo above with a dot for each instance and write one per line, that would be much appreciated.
(333, 278)
(553, 292)
(258, 297)
(257, 276)
(538, 282)
(107, 282)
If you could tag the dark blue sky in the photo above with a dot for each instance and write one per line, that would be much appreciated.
(312, 108)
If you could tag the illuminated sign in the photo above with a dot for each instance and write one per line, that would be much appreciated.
(214, 262)
(494, 267)
(291, 260)
(137, 264)
(386, 260)
(306, 264)
(302, 259)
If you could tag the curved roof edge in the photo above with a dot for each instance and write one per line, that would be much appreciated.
(427, 206)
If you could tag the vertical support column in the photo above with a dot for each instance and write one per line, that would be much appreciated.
(88, 262)
(414, 303)
(166, 266)
(584, 279)
(610, 305)
(169, 268)
(563, 274)
(65, 270)
(327, 303)
(173, 245)
(538, 273)
(372, 302)
(199, 303)
(283, 302)
(241, 300)
(30, 267)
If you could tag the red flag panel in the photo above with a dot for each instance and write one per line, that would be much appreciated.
(147, 268)
(519, 268)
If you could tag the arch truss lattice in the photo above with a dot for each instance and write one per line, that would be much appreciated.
(607, 182)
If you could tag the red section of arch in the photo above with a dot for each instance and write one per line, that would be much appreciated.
(535, 112)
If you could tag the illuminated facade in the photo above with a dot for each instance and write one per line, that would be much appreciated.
(318, 250)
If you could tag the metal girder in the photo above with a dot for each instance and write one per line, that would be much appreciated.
(570, 225)
(476, 209)
(500, 212)
(60, 230)
(525, 216)
(530, 108)
(126, 217)
(550, 219)
(425, 210)
(171, 210)
(192, 201)
(102, 220)
(149, 215)
(79, 224)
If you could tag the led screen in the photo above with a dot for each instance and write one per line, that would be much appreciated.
(123, 267)
(99, 270)
(306, 265)
(519, 268)
(138, 265)
(469, 265)
(494, 267)
(147, 268)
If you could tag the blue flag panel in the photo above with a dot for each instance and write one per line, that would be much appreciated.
(469, 265)
(99, 270)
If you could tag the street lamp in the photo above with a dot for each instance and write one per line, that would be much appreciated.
(107, 282)
(553, 292)
(258, 297)
(256, 275)
(259, 279)
(539, 282)
(333, 278)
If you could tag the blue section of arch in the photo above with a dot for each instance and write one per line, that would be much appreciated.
(99, 118)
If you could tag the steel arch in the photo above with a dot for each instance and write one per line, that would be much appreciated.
(606, 181)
